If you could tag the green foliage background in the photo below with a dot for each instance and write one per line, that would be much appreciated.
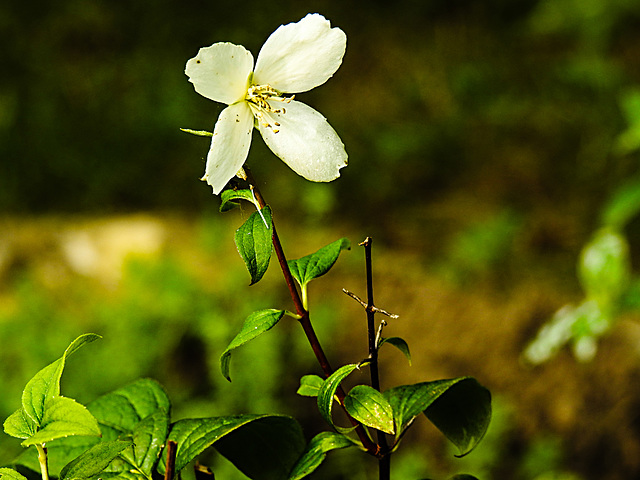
(483, 136)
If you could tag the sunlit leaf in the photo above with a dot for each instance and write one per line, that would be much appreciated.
(256, 324)
(20, 425)
(198, 133)
(59, 453)
(63, 417)
(253, 240)
(94, 461)
(368, 406)
(317, 264)
(316, 452)
(310, 385)
(263, 447)
(121, 410)
(10, 474)
(46, 383)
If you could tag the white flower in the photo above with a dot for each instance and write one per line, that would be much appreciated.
(295, 58)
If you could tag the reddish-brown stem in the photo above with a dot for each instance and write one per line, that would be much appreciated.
(305, 322)
(170, 470)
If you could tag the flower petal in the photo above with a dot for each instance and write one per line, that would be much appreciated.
(303, 139)
(300, 56)
(221, 72)
(229, 145)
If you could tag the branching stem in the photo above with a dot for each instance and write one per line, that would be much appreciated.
(371, 447)
(384, 463)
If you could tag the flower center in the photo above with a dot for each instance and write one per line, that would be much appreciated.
(258, 96)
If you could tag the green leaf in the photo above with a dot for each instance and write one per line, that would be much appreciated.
(198, 133)
(317, 264)
(94, 461)
(63, 417)
(462, 413)
(629, 140)
(59, 454)
(623, 205)
(46, 383)
(10, 474)
(139, 411)
(253, 240)
(605, 267)
(256, 324)
(316, 452)
(263, 447)
(328, 390)
(310, 385)
(119, 412)
(228, 198)
(463, 476)
(370, 407)
(20, 425)
(399, 343)
(149, 436)
(460, 408)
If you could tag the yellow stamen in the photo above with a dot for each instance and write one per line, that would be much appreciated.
(258, 96)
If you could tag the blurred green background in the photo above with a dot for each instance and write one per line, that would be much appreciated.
(484, 139)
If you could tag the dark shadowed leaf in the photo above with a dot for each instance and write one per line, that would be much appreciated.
(462, 413)
(399, 343)
(460, 408)
(263, 447)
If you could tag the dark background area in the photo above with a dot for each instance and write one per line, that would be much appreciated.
(514, 102)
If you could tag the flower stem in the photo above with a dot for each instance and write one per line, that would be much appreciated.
(304, 320)
(42, 459)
